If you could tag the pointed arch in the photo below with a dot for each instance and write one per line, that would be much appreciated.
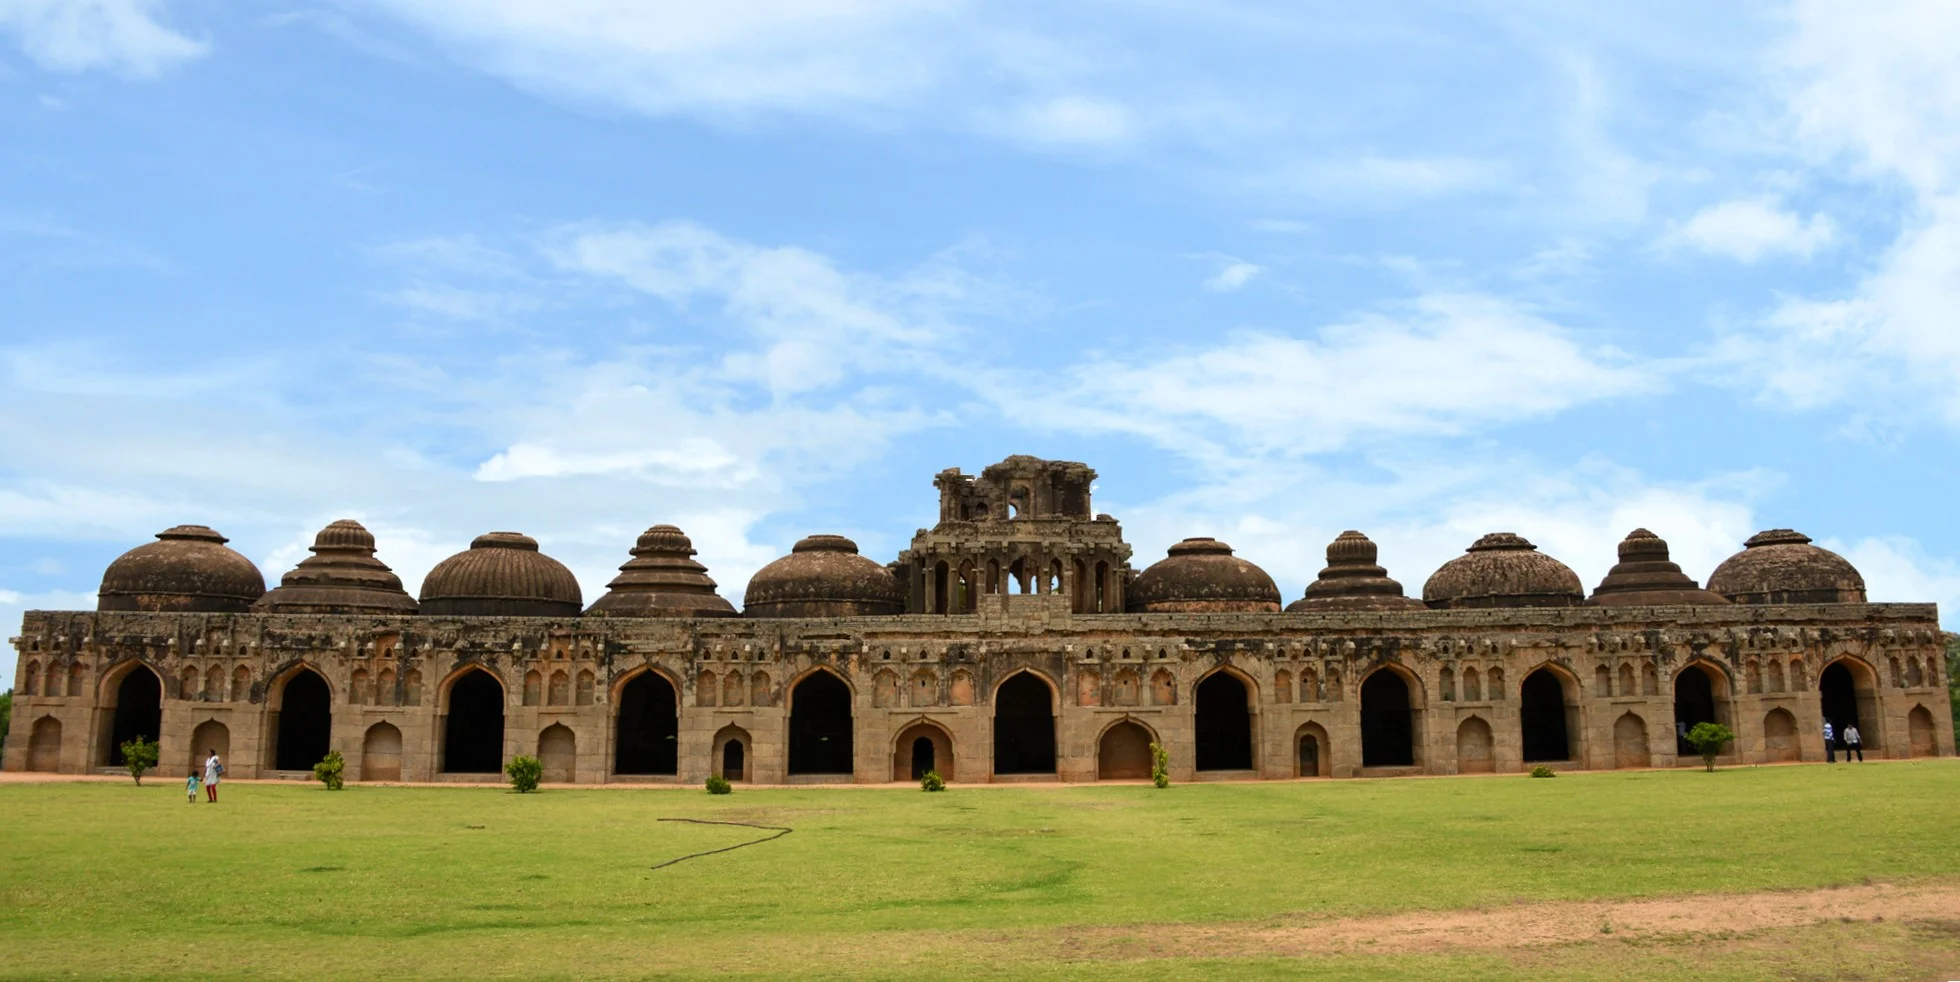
(1701, 695)
(1390, 717)
(1847, 689)
(300, 717)
(472, 700)
(922, 745)
(1630, 745)
(1026, 703)
(646, 722)
(558, 752)
(1780, 736)
(381, 753)
(1123, 750)
(1312, 753)
(131, 705)
(44, 746)
(1548, 714)
(821, 719)
(1475, 747)
(733, 753)
(1223, 704)
(210, 737)
(1923, 738)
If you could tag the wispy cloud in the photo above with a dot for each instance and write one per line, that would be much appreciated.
(1749, 229)
(122, 36)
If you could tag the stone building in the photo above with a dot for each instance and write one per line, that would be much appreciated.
(1011, 641)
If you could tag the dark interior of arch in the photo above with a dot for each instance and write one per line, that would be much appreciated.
(648, 738)
(922, 757)
(820, 726)
(1541, 712)
(732, 760)
(1024, 727)
(139, 711)
(1839, 695)
(1224, 724)
(305, 722)
(1694, 702)
(1386, 722)
(473, 735)
(1309, 755)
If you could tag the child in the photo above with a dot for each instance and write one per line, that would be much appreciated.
(190, 789)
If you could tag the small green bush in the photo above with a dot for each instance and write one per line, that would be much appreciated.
(1160, 766)
(1708, 739)
(932, 782)
(719, 785)
(524, 771)
(330, 770)
(139, 755)
(1543, 770)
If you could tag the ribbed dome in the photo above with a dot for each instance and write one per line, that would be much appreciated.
(1503, 570)
(341, 577)
(1353, 581)
(187, 569)
(1780, 566)
(1201, 575)
(823, 576)
(1645, 576)
(501, 575)
(662, 580)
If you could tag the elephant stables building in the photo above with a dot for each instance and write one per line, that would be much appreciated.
(1012, 641)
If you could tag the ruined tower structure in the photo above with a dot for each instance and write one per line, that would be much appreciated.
(1012, 641)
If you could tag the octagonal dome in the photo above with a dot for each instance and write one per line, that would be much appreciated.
(1645, 576)
(662, 580)
(341, 577)
(1503, 569)
(1201, 575)
(823, 576)
(502, 574)
(187, 569)
(1780, 566)
(1353, 581)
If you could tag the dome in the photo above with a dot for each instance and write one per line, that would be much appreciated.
(1200, 576)
(662, 580)
(1352, 581)
(187, 569)
(823, 576)
(341, 577)
(502, 574)
(1780, 566)
(1503, 570)
(1645, 576)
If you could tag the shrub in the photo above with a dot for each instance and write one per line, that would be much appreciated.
(139, 755)
(932, 782)
(719, 785)
(1543, 770)
(524, 771)
(330, 769)
(6, 714)
(1707, 739)
(1160, 766)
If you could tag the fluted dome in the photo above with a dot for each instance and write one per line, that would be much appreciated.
(1645, 576)
(1353, 581)
(501, 575)
(187, 569)
(1780, 566)
(341, 577)
(823, 576)
(662, 580)
(1503, 570)
(1202, 575)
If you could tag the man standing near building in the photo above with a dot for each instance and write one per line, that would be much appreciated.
(1830, 745)
(1853, 744)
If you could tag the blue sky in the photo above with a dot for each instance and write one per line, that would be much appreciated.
(760, 268)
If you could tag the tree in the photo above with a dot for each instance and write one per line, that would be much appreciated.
(1952, 677)
(1160, 766)
(140, 755)
(330, 769)
(1708, 740)
(7, 713)
(524, 771)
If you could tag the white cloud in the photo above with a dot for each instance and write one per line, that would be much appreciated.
(1065, 121)
(123, 36)
(1748, 229)
(15, 603)
(1235, 273)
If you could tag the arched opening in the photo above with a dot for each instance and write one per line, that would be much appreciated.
(940, 588)
(1024, 726)
(44, 746)
(924, 759)
(1848, 693)
(473, 730)
(820, 725)
(305, 727)
(210, 737)
(381, 753)
(1474, 747)
(1387, 721)
(648, 727)
(1123, 754)
(1779, 736)
(1224, 723)
(1311, 757)
(138, 711)
(1694, 702)
(1542, 709)
(558, 753)
(1630, 742)
(922, 747)
(1919, 730)
(731, 754)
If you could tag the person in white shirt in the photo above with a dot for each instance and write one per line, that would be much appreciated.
(213, 770)
(1853, 744)
(1830, 743)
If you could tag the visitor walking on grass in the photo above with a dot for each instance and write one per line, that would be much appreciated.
(214, 769)
(190, 788)
(1830, 743)
(1853, 744)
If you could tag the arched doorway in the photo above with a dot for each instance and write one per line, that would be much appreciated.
(44, 746)
(919, 748)
(1387, 721)
(1779, 735)
(1847, 693)
(731, 754)
(1694, 702)
(138, 711)
(1224, 723)
(1542, 709)
(1630, 742)
(305, 727)
(210, 737)
(1474, 747)
(1024, 726)
(1311, 756)
(820, 725)
(1123, 754)
(558, 753)
(473, 731)
(648, 727)
(381, 753)
(1925, 739)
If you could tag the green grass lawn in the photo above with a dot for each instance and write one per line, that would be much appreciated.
(296, 882)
